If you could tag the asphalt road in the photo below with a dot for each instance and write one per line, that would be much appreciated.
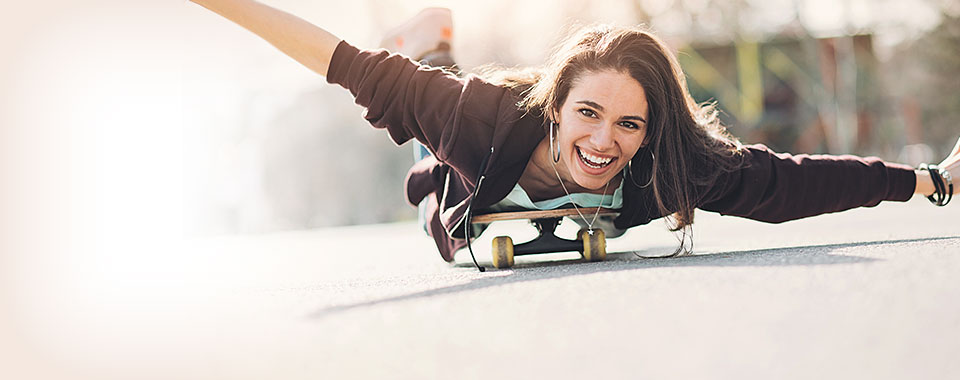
(870, 293)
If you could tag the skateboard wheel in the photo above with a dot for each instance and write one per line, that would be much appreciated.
(502, 252)
(594, 246)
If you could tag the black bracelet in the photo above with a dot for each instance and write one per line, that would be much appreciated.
(942, 184)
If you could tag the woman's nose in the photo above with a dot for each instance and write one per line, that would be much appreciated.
(602, 138)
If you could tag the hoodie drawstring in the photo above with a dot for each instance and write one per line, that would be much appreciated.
(469, 215)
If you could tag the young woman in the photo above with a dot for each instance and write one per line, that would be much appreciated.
(606, 122)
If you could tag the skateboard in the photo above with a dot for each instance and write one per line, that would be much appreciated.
(593, 247)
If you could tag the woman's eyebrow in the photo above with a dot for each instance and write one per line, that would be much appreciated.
(600, 108)
(591, 104)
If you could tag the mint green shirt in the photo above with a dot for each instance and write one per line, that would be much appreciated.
(519, 200)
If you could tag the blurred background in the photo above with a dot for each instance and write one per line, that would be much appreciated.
(270, 146)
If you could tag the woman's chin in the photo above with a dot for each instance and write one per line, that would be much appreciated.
(592, 184)
(592, 178)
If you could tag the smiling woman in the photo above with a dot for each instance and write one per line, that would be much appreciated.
(615, 95)
(609, 114)
(594, 142)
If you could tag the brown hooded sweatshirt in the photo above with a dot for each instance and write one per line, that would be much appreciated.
(478, 135)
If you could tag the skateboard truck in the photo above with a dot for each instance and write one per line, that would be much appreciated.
(548, 241)
(590, 243)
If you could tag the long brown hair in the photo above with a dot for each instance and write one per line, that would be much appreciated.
(690, 146)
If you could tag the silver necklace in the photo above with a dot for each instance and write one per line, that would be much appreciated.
(589, 224)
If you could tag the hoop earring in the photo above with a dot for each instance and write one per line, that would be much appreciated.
(554, 153)
(630, 171)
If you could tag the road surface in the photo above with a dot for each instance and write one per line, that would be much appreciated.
(872, 293)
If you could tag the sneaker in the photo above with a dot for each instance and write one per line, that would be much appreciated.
(430, 31)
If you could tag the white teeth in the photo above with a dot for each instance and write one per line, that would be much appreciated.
(594, 161)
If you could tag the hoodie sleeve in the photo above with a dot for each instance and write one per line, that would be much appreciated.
(777, 187)
(412, 101)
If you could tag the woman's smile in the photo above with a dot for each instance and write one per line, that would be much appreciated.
(595, 164)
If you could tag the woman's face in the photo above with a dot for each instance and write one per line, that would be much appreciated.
(603, 123)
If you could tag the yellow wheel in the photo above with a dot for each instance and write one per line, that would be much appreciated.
(502, 252)
(594, 246)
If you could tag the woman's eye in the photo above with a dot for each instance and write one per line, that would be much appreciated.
(587, 112)
(630, 125)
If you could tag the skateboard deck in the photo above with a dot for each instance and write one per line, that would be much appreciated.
(591, 245)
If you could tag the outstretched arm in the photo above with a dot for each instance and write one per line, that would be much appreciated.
(304, 42)
(777, 187)
(409, 100)
(950, 164)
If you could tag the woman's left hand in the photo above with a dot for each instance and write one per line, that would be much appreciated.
(952, 164)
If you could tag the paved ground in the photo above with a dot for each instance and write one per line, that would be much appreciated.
(870, 293)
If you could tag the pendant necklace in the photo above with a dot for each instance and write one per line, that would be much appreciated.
(589, 224)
